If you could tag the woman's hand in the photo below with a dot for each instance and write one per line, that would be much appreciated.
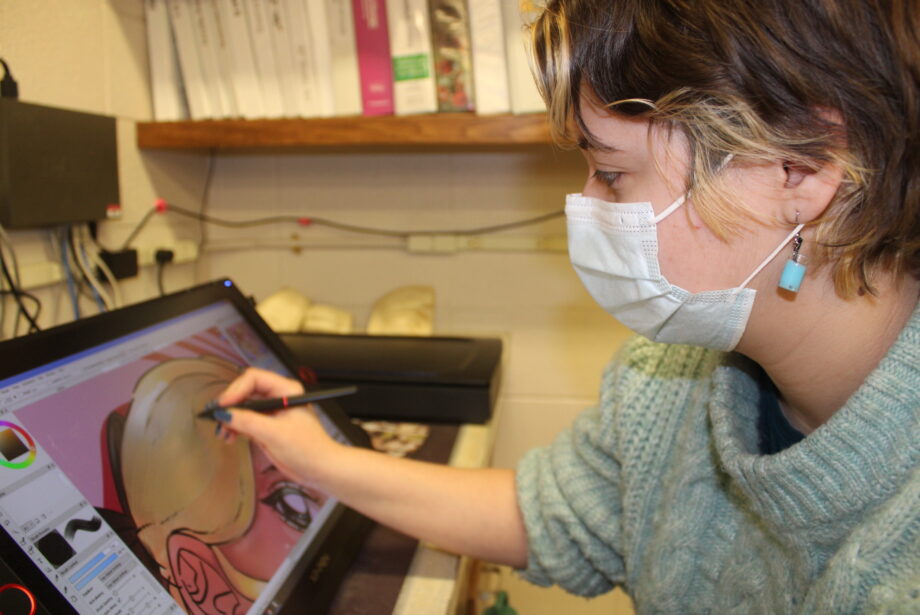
(294, 439)
(468, 511)
(255, 383)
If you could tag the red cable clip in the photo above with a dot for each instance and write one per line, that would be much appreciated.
(304, 221)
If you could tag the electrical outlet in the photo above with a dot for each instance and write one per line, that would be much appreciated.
(45, 273)
(183, 252)
(35, 275)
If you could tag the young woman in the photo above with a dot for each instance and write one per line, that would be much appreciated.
(752, 209)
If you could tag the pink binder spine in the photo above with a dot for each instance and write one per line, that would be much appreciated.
(374, 64)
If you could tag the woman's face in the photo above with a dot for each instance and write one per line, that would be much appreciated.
(643, 162)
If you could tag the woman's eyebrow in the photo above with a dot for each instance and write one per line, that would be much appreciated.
(594, 145)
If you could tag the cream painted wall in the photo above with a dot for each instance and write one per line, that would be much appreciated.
(90, 55)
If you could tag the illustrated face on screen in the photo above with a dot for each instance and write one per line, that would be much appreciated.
(217, 519)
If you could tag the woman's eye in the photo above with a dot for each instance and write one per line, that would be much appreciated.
(608, 178)
(291, 504)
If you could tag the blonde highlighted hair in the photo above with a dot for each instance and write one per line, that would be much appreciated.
(805, 81)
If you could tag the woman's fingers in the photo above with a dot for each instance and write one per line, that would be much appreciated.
(255, 382)
(256, 426)
(294, 439)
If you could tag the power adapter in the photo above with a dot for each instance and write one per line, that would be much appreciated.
(122, 264)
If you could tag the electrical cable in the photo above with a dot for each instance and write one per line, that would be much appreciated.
(18, 295)
(162, 258)
(137, 229)
(6, 243)
(38, 309)
(101, 297)
(81, 285)
(14, 282)
(160, 268)
(12, 285)
(96, 256)
(205, 201)
(68, 275)
(95, 259)
(86, 269)
(8, 86)
(162, 206)
(354, 228)
(205, 193)
(5, 239)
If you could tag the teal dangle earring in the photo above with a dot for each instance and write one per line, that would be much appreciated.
(794, 271)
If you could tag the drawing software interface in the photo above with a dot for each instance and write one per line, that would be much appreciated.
(126, 501)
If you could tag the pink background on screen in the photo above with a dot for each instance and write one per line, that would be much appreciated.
(69, 424)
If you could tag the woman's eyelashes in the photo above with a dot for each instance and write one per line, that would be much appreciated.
(608, 178)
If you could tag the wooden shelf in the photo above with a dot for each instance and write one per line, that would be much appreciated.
(451, 129)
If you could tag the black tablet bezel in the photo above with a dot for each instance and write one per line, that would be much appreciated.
(311, 586)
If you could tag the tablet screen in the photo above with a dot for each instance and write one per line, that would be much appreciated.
(126, 501)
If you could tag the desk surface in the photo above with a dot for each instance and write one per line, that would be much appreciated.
(396, 574)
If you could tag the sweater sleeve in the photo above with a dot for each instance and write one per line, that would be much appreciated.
(569, 497)
(571, 494)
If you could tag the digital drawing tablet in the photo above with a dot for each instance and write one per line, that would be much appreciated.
(115, 498)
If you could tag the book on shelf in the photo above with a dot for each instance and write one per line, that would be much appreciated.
(490, 64)
(244, 77)
(182, 21)
(343, 62)
(409, 26)
(264, 57)
(312, 101)
(279, 25)
(223, 44)
(322, 58)
(216, 76)
(167, 90)
(374, 66)
(320, 43)
(453, 65)
(525, 97)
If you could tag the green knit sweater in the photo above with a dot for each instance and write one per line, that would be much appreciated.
(661, 488)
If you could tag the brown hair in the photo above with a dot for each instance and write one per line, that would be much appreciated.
(756, 79)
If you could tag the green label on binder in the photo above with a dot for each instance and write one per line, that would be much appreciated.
(410, 67)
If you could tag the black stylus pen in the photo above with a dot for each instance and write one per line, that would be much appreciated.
(277, 403)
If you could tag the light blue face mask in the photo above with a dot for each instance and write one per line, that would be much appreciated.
(614, 249)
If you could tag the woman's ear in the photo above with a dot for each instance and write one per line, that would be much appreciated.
(809, 191)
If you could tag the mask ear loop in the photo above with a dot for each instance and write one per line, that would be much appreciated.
(773, 254)
(795, 260)
(670, 208)
(682, 198)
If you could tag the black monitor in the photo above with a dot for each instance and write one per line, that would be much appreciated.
(115, 498)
